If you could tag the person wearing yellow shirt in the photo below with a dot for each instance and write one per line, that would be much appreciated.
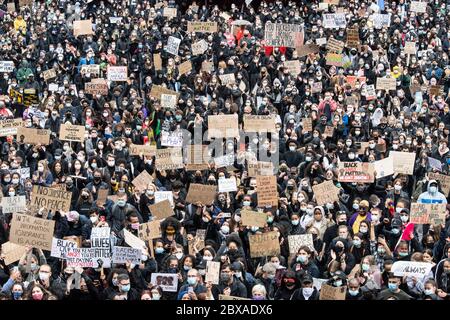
(19, 23)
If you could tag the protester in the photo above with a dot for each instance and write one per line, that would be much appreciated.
(324, 160)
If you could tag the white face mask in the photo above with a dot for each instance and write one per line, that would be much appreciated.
(207, 258)
(93, 219)
(225, 229)
(307, 292)
(179, 255)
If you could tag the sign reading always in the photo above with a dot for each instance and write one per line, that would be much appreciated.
(411, 269)
(283, 35)
(35, 232)
(51, 199)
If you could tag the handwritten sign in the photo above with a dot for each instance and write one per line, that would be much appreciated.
(307, 124)
(223, 126)
(386, 84)
(418, 6)
(381, 20)
(164, 195)
(259, 123)
(307, 50)
(334, 59)
(145, 150)
(49, 74)
(157, 91)
(227, 185)
(142, 180)
(60, 247)
(161, 210)
(298, 241)
(195, 155)
(185, 67)
(328, 292)
(355, 172)
(168, 159)
(410, 47)
(201, 193)
(117, 73)
(267, 191)
(411, 269)
(199, 47)
(69, 132)
(173, 45)
(353, 37)
(132, 240)
(265, 244)
(91, 69)
(82, 27)
(293, 67)
(8, 127)
(126, 254)
(227, 79)
(7, 66)
(253, 218)
(51, 199)
(172, 139)
(335, 46)
(202, 27)
(325, 192)
(260, 168)
(384, 167)
(170, 12)
(14, 204)
(224, 161)
(283, 34)
(98, 87)
(427, 213)
(334, 20)
(35, 232)
(231, 298)
(212, 272)
(157, 61)
(33, 136)
(87, 257)
(12, 252)
(150, 230)
(403, 161)
(443, 180)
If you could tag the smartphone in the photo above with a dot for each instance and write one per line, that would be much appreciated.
(190, 289)
(102, 218)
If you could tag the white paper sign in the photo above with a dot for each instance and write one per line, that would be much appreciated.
(164, 195)
(172, 45)
(6, 66)
(224, 161)
(61, 247)
(411, 269)
(384, 168)
(167, 281)
(334, 20)
(227, 185)
(172, 139)
(125, 254)
(14, 204)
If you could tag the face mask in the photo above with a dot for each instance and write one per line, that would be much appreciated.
(397, 187)
(37, 296)
(111, 163)
(225, 277)
(125, 288)
(338, 283)
(207, 258)
(363, 230)
(428, 292)
(34, 266)
(192, 281)
(205, 219)
(121, 203)
(381, 250)
(269, 219)
(156, 297)
(11, 193)
(403, 254)
(225, 229)
(41, 169)
(179, 255)
(17, 294)
(15, 181)
(308, 291)
(254, 229)
(292, 148)
(93, 219)
(392, 287)
(365, 267)
(404, 219)
(187, 268)
(353, 293)
(246, 203)
(357, 243)
(395, 231)
(302, 259)
(356, 206)
(433, 189)
(43, 276)
(135, 226)
(159, 250)
(295, 222)
(351, 156)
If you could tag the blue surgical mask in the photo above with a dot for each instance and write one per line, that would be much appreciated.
(428, 292)
(392, 286)
(187, 268)
(403, 254)
(295, 222)
(121, 203)
(269, 219)
(125, 288)
(192, 281)
(17, 295)
(159, 250)
(338, 283)
(301, 259)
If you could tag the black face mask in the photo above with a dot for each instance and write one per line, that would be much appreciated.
(97, 179)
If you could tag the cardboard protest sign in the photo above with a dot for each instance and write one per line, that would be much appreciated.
(223, 126)
(13, 252)
(74, 239)
(195, 157)
(145, 150)
(167, 281)
(325, 192)
(157, 61)
(49, 74)
(381, 20)
(82, 27)
(353, 37)
(14, 204)
(173, 45)
(168, 101)
(91, 69)
(267, 191)
(410, 47)
(334, 20)
(60, 247)
(69, 132)
(328, 292)
(157, 91)
(226, 79)
(265, 244)
(126, 254)
(102, 195)
(253, 218)
(334, 59)
(307, 49)
(51, 199)
(201, 193)
(168, 159)
(259, 123)
(307, 124)
(418, 6)
(293, 67)
(117, 73)
(356, 172)
(8, 127)
(212, 272)
(231, 298)
(403, 161)
(427, 213)
(435, 90)
(35, 232)
(335, 46)
(300, 240)
(132, 240)
(142, 180)
(227, 185)
(161, 210)
(87, 257)
(411, 269)
(283, 35)
(170, 12)
(260, 168)
(386, 84)
(202, 27)
(384, 167)
(444, 181)
(33, 136)
(317, 283)
(185, 67)
(199, 47)
(164, 195)
(208, 66)
(96, 87)
(172, 139)
(224, 161)
(331, 2)
(150, 230)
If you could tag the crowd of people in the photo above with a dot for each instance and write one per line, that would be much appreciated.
(356, 240)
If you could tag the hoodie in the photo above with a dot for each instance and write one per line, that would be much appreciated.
(428, 197)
